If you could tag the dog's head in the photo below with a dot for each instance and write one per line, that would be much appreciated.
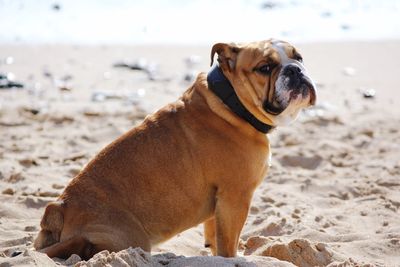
(269, 78)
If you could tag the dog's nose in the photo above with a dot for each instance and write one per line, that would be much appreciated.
(292, 70)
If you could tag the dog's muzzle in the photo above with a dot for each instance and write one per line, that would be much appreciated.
(298, 82)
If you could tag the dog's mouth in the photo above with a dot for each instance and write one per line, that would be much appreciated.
(274, 107)
(293, 89)
(303, 87)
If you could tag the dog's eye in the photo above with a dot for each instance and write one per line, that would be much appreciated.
(264, 69)
(299, 58)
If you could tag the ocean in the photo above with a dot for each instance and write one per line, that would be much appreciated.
(197, 22)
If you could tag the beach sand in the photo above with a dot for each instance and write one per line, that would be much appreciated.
(331, 197)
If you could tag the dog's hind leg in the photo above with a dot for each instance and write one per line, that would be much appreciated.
(75, 245)
(52, 224)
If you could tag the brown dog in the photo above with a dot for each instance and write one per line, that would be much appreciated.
(197, 160)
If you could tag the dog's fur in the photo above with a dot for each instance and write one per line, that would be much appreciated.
(194, 161)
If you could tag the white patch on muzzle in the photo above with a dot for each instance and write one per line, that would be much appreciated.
(282, 90)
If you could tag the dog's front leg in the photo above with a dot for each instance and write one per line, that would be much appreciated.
(209, 235)
(230, 215)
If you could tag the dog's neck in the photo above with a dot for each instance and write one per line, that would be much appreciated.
(221, 86)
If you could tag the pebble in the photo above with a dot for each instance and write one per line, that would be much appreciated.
(269, 4)
(57, 186)
(8, 191)
(27, 162)
(363, 213)
(140, 64)
(132, 96)
(15, 177)
(345, 27)
(30, 228)
(7, 81)
(16, 253)
(73, 259)
(368, 93)
(56, 7)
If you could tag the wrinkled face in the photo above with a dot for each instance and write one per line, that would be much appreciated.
(269, 78)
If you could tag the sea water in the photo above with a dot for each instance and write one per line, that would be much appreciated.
(196, 22)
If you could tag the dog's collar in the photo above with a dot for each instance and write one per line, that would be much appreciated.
(221, 86)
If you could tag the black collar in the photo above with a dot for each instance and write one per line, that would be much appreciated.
(221, 86)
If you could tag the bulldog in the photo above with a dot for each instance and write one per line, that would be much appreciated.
(197, 160)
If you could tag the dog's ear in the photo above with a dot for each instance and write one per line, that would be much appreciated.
(227, 54)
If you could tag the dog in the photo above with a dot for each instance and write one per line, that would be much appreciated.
(197, 160)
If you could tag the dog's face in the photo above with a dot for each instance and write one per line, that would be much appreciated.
(269, 78)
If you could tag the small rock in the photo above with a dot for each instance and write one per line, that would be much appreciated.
(368, 132)
(47, 194)
(318, 218)
(7, 81)
(47, 73)
(254, 210)
(345, 27)
(33, 111)
(368, 93)
(27, 162)
(74, 171)
(8, 191)
(269, 4)
(56, 7)
(57, 186)
(64, 88)
(16, 253)
(90, 113)
(140, 64)
(363, 213)
(30, 228)
(72, 260)
(15, 177)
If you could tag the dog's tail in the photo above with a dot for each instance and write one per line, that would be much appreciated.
(52, 224)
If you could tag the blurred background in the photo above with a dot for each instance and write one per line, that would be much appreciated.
(195, 22)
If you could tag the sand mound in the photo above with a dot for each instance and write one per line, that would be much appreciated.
(137, 257)
(298, 251)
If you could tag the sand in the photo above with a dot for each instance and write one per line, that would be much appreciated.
(331, 197)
